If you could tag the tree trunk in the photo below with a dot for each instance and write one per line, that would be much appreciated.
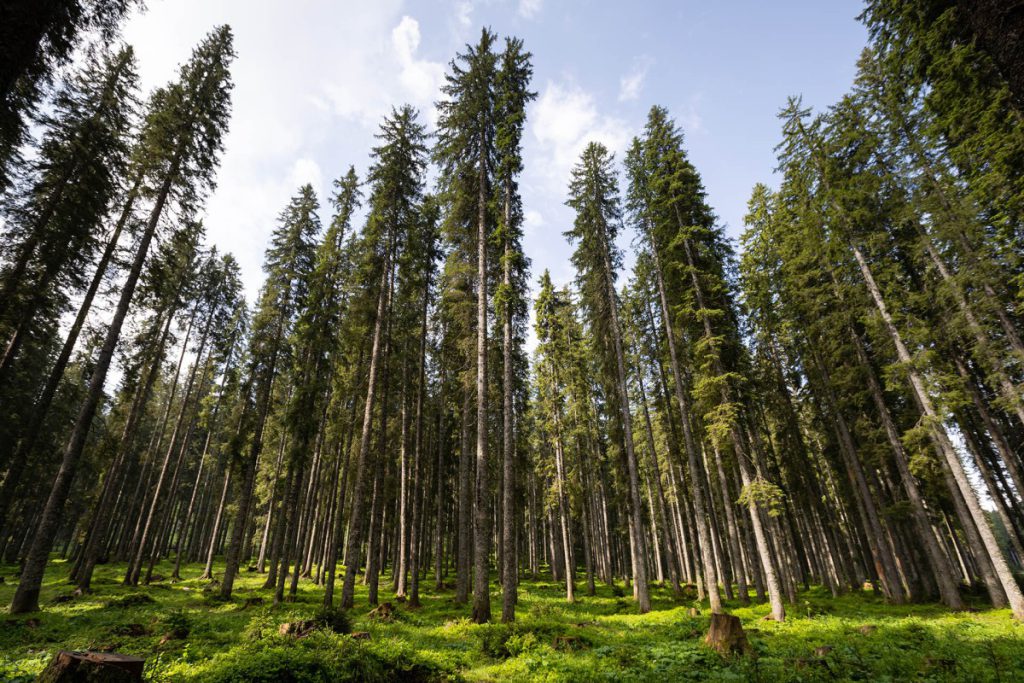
(354, 539)
(635, 505)
(482, 528)
(939, 565)
(945, 447)
(690, 444)
(26, 598)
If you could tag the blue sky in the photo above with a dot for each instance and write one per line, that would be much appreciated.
(314, 77)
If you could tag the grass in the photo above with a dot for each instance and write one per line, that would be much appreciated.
(185, 635)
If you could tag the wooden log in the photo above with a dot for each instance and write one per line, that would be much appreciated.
(726, 635)
(92, 667)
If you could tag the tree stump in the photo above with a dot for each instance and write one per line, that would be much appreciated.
(726, 635)
(299, 629)
(384, 612)
(92, 667)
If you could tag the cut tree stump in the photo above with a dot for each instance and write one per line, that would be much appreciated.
(384, 612)
(92, 667)
(726, 635)
(299, 629)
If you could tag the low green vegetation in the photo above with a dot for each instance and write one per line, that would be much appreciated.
(186, 634)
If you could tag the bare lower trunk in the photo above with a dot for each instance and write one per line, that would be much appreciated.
(508, 535)
(691, 446)
(354, 540)
(639, 553)
(945, 447)
(482, 528)
(26, 598)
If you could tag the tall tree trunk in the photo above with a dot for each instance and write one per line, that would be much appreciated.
(482, 528)
(639, 552)
(42, 405)
(354, 539)
(945, 446)
(939, 565)
(692, 454)
(26, 597)
(104, 509)
(509, 574)
(417, 457)
(465, 523)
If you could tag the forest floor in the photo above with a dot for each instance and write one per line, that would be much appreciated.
(186, 635)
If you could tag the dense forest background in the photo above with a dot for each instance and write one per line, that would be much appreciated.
(834, 401)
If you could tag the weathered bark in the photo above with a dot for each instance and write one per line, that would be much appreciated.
(88, 667)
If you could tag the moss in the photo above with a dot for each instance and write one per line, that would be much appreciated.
(599, 638)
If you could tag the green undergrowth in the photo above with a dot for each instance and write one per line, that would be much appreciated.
(185, 634)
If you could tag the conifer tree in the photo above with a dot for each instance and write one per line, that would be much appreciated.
(53, 229)
(396, 178)
(594, 195)
(183, 135)
(35, 39)
(81, 158)
(466, 153)
(289, 262)
(511, 97)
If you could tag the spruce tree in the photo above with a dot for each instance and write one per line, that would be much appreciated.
(37, 37)
(396, 178)
(466, 153)
(183, 135)
(594, 195)
(511, 97)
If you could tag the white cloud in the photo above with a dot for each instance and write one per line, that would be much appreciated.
(421, 79)
(564, 120)
(464, 13)
(297, 73)
(528, 9)
(631, 84)
(386, 75)
(306, 170)
(533, 221)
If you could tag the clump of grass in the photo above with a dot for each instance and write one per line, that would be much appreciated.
(131, 600)
(178, 624)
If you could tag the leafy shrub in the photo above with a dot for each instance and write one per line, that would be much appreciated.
(333, 619)
(177, 623)
(321, 658)
(521, 643)
(494, 639)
